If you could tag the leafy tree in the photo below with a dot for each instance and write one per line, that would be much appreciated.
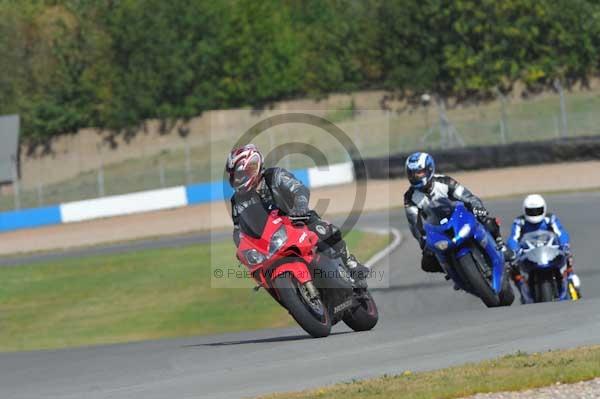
(68, 64)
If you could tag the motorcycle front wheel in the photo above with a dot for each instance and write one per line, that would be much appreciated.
(473, 276)
(310, 313)
(506, 296)
(544, 286)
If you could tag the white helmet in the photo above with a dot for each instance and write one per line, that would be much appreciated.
(534, 208)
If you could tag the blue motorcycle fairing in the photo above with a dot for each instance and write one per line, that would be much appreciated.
(460, 218)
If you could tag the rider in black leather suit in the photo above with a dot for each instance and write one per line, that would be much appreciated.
(277, 188)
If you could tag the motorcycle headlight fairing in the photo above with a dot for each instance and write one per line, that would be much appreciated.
(442, 245)
(462, 233)
(278, 239)
(253, 257)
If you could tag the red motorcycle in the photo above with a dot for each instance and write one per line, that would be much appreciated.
(315, 287)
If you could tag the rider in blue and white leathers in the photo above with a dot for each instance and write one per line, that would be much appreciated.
(535, 218)
(427, 187)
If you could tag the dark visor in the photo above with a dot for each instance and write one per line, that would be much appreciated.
(416, 175)
(534, 211)
(243, 173)
(240, 176)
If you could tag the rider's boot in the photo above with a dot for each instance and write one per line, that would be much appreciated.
(574, 283)
(521, 284)
(501, 246)
(358, 271)
(515, 273)
(456, 286)
(493, 227)
(430, 264)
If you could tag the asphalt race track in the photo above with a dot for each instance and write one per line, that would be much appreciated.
(424, 324)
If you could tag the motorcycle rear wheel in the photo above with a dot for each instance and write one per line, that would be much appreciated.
(312, 315)
(365, 316)
(479, 286)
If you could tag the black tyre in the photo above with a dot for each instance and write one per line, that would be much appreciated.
(544, 286)
(365, 316)
(506, 296)
(472, 275)
(311, 314)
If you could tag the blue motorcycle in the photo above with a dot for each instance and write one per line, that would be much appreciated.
(542, 262)
(467, 252)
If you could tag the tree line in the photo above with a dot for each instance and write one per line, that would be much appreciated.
(68, 64)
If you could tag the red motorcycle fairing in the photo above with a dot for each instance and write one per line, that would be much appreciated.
(294, 256)
(298, 269)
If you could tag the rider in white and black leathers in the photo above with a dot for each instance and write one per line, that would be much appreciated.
(427, 187)
(277, 188)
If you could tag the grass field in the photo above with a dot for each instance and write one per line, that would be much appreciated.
(509, 373)
(135, 296)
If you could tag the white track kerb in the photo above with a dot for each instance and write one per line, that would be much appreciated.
(396, 241)
(155, 200)
(144, 201)
(331, 175)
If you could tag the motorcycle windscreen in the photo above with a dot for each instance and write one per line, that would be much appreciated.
(538, 238)
(254, 218)
(542, 256)
(439, 212)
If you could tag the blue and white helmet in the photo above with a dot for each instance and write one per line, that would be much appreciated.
(420, 168)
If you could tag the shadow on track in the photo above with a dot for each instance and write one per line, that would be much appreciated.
(437, 284)
(264, 340)
(411, 287)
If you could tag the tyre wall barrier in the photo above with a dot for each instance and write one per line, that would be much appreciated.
(487, 157)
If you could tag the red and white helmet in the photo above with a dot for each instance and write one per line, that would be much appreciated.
(244, 166)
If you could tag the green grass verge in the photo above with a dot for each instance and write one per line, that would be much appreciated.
(509, 373)
(135, 296)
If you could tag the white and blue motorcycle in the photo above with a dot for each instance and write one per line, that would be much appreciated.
(543, 263)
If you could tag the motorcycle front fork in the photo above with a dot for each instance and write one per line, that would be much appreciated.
(312, 291)
(524, 291)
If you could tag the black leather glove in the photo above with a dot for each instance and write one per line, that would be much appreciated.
(480, 212)
(297, 212)
(510, 256)
(514, 269)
